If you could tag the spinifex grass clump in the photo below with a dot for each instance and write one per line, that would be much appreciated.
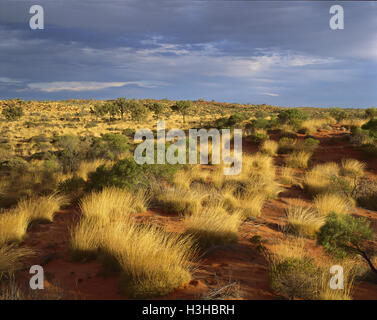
(175, 200)
(151, 261)
(42, 209)
(213, 226)
(11, 258)
(327, 202)
(319, 178)
(270, 147)
(113, 203)
(298, 159)
(303, 221)
(13, 226)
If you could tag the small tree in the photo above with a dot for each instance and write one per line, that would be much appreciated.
(98, 110)
(345, 236)
(182, 107)
(157, 109)
(122, 106)
(138, 110)
(110, 108)
(12, 112)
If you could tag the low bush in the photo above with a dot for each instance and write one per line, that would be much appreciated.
(345, 235)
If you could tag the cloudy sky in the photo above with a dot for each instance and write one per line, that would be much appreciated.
(276, 52)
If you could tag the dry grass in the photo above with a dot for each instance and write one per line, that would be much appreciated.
(180, 201)
(86, 238)
(153, 263)
(302, 220)
(213, 226)
(183, 179)
(352, 168)
(11, 259)
(287, 144)
(298, 159)
(251, 205)
(269, 147)
(114, 204)
(353, 122)
(257, 162)
(42, 208)
(349, 274)
(287, 175)
(327, 203)
(13, 226)
(257, 177)
(318, 179)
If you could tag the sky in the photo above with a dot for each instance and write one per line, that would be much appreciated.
(275, 52)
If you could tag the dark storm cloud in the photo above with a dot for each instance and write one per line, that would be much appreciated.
(274, 52)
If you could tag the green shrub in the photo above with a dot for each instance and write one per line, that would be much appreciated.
(370, 125)
(344, 235)
(294, 277)
(124, 174)
(260, 124)
(293, 117)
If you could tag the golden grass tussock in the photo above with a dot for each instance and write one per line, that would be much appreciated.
(153, 262)
(269, 147)
(298, 159)
(184, 178)
(114, 203)
(86, 238)
(11, 258)
(287, 175)
(213, 226)
(311, 125)
(257, 176)
(328, 202)
(257, 162)
(352, 168)
(180, 201)
(42, 208)
(353, 122)
(251, 205)
(302, 220)
(318, 179)
(13, 226)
